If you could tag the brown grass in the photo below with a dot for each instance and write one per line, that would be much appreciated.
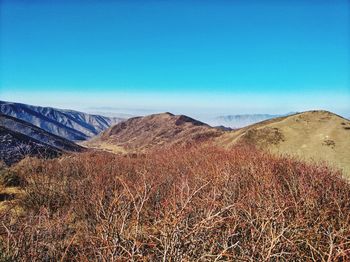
(184, 204)
(313, 135)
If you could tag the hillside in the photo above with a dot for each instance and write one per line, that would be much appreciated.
(185, 204)
(72, 125)
(228, 202)
(152, 131)
(313, 135)
(19, 138)
(318, 135)
(15, 146)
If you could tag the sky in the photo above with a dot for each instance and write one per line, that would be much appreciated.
(192, 57)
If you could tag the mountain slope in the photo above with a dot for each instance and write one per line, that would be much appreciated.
(318, 135)
(19, 138)
(15, 146)
(156, 130)
(72, 125)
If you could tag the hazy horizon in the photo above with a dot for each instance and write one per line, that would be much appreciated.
(186, 57)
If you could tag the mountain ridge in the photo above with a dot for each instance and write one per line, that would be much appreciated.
(319, 135)
(70, 124)
(156, 130)
(19, 139)
(242, 120)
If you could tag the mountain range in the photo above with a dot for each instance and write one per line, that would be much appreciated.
(238, 121)
(70, 124)
(312, 135)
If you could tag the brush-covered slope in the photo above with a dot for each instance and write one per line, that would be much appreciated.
(318, 135)
(19, 138)
(156, 130)
(72, 125)
(186, 204)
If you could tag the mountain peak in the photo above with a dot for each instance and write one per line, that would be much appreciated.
(164, 129)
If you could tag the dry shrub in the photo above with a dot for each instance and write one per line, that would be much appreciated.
(198, 203)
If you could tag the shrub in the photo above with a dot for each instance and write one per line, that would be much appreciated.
(9, 178)
(197, 203)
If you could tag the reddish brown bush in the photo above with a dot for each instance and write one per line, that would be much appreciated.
(181, 204)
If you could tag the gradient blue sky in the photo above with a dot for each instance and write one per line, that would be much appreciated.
(183, 56)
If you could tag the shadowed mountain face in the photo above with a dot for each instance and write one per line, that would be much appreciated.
(72, 125)
(15, 146)
(19, 139)
(156, 130)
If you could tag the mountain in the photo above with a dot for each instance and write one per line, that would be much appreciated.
(19, 138)
(317, 135)
(72, 125)
(313, 135)
(238, 121)
(158, 130)
(15, 146)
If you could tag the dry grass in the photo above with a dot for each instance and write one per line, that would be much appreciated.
(104, 146)
(316, 135)
(184, 204)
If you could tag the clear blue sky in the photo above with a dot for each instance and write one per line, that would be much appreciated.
(182, 56)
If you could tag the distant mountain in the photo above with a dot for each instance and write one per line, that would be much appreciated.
(158, 130)
(72, 125)
(238, 121)
(223, 128)
(19, 139)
